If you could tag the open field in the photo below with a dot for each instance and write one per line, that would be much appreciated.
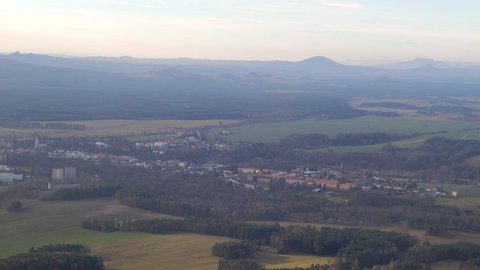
(116, 127)
(270, 259)
(446, 265)
(411, 142)
(469, 195)
(185, 251)
(44, 223)
(350, 149)
(473, 134)
(464, 190)
(361, 104)
(440, 108)
(356, 102)
(462, 202)
(474, 161)
(272, 131)
(171, 251)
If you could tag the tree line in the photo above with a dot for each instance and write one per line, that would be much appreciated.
(200, 197)
(462, 251)
(62, 256)
(364, 248)
(234, 250)
(218, 227)
(83, 193)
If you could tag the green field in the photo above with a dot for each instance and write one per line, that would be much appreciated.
(464, 190)
(411, 142)
(115, 127)
(350, 149)
(463, 135)
(44, 223)
(272, 131)
(469, 195)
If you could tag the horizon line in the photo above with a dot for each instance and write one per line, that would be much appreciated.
(383, 61)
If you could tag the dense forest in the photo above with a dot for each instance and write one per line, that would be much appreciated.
(62, 256)
(234, 250)
(83, 193)
(64, 94)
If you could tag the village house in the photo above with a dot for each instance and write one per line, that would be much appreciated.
(347, 186)
(328, 183)
(249, 170)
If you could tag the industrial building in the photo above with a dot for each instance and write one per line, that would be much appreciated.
(10, 177)
(60, 174)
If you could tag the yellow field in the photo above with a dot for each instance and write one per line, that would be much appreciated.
(474, 161)
(270, 259)
(186, 251)
(173, 252)
(446, 265)
(116, 127)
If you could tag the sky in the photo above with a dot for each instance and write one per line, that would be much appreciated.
(350, 31)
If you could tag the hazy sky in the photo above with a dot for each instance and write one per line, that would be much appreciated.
(347, 30)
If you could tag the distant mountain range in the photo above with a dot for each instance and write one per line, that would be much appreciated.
(421, 62)
(42, 87)
(315, 68)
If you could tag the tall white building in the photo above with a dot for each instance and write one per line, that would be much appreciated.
(57, 174)
(70, 173)
(60, 174)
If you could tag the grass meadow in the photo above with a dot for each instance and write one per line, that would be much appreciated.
(115, 128)
(272, 131)
(468, 195)
(43, 223)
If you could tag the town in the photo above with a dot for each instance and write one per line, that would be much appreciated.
(328, 180)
